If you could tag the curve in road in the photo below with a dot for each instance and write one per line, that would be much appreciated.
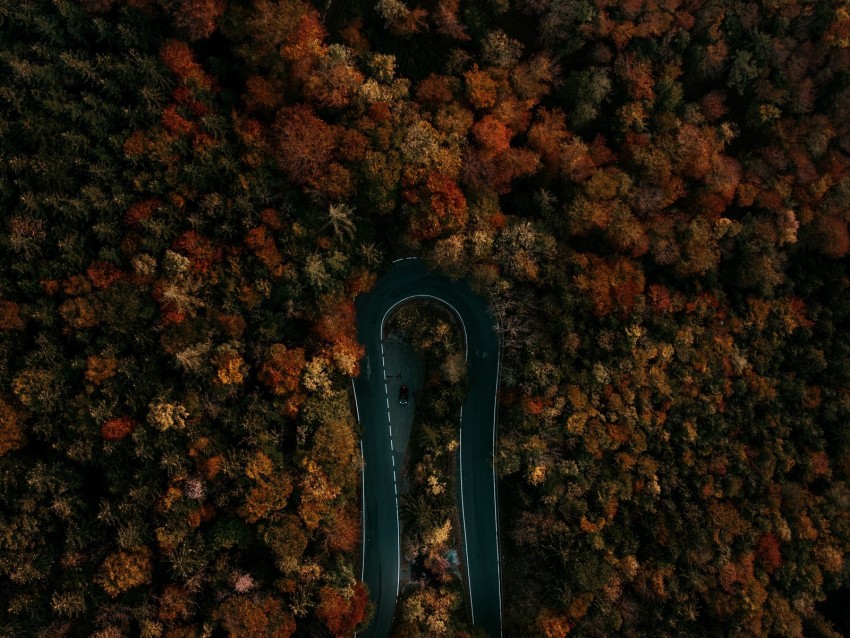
(381, 570)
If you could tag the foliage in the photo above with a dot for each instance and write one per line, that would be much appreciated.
(654, 198)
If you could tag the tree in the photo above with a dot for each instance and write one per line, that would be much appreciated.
(306, 150)
(339, 220)
(427, 610)
(11, 431)
(445, 208)
(445, 17)
(231, 367)
(342, 612)
(552, 625)
(243, 617)
(202, 252)
(198, 17)
(125, 570)
(10, 318)
(399, 18)
(835, 238)
(281, 371)
(612, 286)
(493, 164)
(118, 428)
(335, 80)
(317, 494)
(179, 59)
(287, 540)
(492, 136)
(286, 37)
(481, 88)
(337, 328)
(769, 553)
(268, 497)
(547, 137)
(343, 532)
(500, 50)
(262, 243)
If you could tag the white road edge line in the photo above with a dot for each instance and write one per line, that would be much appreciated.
(495, 499)
(356, 407)
(392, 458)
(463, 518)
(398, 527)
(363, 521)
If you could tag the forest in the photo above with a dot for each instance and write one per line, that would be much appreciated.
(653, 195)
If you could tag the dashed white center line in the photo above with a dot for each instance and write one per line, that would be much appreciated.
(392, 458)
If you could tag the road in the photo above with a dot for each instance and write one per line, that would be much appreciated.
(376, 397)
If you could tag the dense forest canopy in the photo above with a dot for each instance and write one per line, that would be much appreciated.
(654, 195)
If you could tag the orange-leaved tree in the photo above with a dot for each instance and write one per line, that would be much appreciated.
(342, 611)
(337, 328)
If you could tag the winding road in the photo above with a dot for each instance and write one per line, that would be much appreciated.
(376, 397)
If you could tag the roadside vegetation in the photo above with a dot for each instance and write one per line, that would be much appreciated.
(654, 196)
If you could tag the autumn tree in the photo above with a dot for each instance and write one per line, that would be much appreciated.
(11, 431)
(337, 329)
(281, 374)
(198, 17)
(270, 491)
(306, 150)
(242, 617)
(125, 570)
(342, 612)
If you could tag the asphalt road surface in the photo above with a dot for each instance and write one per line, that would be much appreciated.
(376, 396)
